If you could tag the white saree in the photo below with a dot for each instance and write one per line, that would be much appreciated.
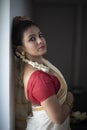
(40, 119)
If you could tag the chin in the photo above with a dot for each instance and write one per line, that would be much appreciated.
(44, 52)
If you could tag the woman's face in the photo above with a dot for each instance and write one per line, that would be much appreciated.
(34, 42)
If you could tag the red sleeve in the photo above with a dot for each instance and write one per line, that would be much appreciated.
(43, 86)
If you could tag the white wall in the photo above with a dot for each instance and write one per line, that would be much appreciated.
(20, 7)
(8, 9)
(4, 64)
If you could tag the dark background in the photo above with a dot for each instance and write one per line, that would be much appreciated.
(64, 23)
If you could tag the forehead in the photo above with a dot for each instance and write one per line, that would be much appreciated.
(32, 30)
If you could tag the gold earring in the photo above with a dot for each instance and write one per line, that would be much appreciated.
(23, 53)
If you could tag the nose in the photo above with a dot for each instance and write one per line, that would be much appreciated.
(39, 40)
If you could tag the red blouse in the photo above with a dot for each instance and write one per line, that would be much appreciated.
(41, 85)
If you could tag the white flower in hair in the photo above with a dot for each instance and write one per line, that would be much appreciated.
(34, 64)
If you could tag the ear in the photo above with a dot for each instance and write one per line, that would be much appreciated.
(20, 48)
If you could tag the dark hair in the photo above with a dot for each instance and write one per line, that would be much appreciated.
(20, 24)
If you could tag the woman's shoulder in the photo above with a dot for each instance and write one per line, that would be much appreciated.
(33, 75)
(28, 70)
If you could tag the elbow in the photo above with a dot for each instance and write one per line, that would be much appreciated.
(58, 121)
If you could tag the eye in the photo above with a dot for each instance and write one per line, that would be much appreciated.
(32, 39)
(41, 35)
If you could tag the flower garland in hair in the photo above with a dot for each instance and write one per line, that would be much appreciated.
(34, 64)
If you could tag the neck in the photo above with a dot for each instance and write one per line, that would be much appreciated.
(35, 59)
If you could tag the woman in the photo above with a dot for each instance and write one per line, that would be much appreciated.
(44, 85)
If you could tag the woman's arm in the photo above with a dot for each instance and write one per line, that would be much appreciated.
(57, 113)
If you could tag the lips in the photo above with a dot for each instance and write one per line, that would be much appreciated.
(42, 47)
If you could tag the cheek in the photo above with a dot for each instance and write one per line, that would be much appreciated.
(31, 49)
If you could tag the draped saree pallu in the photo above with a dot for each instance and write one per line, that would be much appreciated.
(40, 120)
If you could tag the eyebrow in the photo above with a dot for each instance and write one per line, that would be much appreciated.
(33, 34)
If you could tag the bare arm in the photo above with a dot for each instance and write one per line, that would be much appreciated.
(57, 113)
